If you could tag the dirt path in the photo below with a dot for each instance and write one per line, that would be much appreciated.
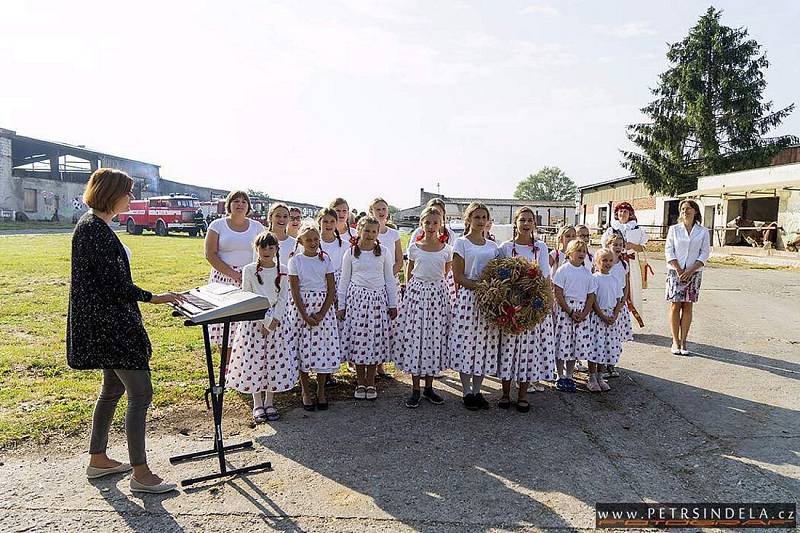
(719, 426)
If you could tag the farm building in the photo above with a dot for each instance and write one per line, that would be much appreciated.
(548, 213)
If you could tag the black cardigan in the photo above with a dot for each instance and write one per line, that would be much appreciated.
(104, 324)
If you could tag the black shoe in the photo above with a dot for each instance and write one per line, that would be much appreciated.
(309, 406)
(322, 406)
(481, 402)
(413, 400)
(431, 396)
(504, 403)
(331, 382)
(469, 402)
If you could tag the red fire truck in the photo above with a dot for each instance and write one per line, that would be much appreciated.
(162, 214)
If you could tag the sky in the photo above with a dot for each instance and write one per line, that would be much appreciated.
(310, 100)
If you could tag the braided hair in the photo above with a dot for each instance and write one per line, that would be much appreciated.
(330, 212)
(264, 239)
(514, 232)
(369, 219)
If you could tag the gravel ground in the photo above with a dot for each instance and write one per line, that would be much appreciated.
(721, 425)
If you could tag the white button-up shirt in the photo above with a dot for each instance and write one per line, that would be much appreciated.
(685, 247)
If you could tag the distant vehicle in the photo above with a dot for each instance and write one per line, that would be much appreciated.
(216, 209)
(162, 214)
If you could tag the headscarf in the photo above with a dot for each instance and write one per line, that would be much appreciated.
(626, 206)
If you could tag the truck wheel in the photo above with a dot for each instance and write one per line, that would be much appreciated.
(192, 233)
(130, 227)
(161, 229)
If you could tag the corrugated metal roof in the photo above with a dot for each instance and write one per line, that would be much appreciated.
(630, 178)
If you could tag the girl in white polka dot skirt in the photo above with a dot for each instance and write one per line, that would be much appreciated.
(260, 364)
(558, 256)
(574, 290)
(527, 357)
(420, 340)
(314, 337)
(367, 301)
(473, 344)
(621, 271)
(607, 308)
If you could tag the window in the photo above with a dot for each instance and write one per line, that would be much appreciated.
(30, 200)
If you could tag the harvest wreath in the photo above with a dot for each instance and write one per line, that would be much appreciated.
(513, 294)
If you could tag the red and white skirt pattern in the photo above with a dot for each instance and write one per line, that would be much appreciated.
(607, 339)
(573, 340)
(529, 356)
(215, 330)
(316, 348)
(367, 331)
(421, 332)
(473, 344)
(260, 362)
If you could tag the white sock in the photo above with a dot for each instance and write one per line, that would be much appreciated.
(269, 398)
(560, 368)
(258, 400)
(476, 384)
(465, 383)
(570, 368)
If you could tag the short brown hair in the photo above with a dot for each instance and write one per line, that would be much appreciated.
(233, 195)
(105, 187)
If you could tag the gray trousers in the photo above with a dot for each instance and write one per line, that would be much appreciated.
(140, 393)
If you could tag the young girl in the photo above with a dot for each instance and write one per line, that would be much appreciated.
(295, 218)
(620, 271)
(582, 232)
(528, 357)
(260, 364)
(331, 241)
(607, 307)
(314, 335)
(444, 237)
(558, 256)
(420, 342)
(574, 291)
(473, 345)
(343, 218)
(390, 238)
(278, 217)
(367, 301)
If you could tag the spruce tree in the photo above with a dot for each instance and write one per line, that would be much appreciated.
(709, 116)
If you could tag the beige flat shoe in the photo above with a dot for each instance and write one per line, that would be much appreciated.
(92, 472)
(153, 489)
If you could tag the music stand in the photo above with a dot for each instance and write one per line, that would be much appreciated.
(214, 396)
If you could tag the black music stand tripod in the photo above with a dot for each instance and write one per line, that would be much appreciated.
(214, 396)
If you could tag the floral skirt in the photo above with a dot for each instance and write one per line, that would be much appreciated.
(260, 362)
(215, 330)
(573, 340)
(423, 323)
(366, 334)
(473, 344)
(316, 348)
(677, 291)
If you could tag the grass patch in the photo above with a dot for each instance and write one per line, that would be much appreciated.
(737, 262)
(34, 224)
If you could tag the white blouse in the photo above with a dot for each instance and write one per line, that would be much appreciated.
(335, 251)
(576, 282)
(535, 254)
(475, 257)
(429, 266)
(388, 240)
(631, 232)
(288, 247)
(235, 248)
(620, 273)
(607, 292)
(370, 271)
(685, 247)
(277, 299)
(311, 272)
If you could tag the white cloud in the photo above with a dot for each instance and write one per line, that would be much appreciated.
(628, 30)
(540, 9)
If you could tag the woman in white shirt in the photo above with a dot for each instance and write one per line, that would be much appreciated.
(229, 247)
(625, 224)
(686, 250)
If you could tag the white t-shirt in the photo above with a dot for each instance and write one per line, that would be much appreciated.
(415, 237)
(335, 251)
(576, 282)
(535, 254)
(429, 266)
(620, 273)
(277, 300)
(588, 261)
(370, 271)
(475, 257)
(607, 292)
(235, 248)
(287, 247)
(388, 240)
(311, 272)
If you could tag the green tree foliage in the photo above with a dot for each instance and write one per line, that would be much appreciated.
(550, 183)
(709, 116)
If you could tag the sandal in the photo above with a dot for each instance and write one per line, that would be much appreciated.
(561, 385)
(360, 393)
(523, 406)
(371, 393)
(504, 403)
(272, 413)
(259, 415)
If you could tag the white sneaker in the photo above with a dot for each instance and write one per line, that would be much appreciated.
(152, 489)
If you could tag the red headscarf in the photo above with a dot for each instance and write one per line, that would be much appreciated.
(627, 207)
